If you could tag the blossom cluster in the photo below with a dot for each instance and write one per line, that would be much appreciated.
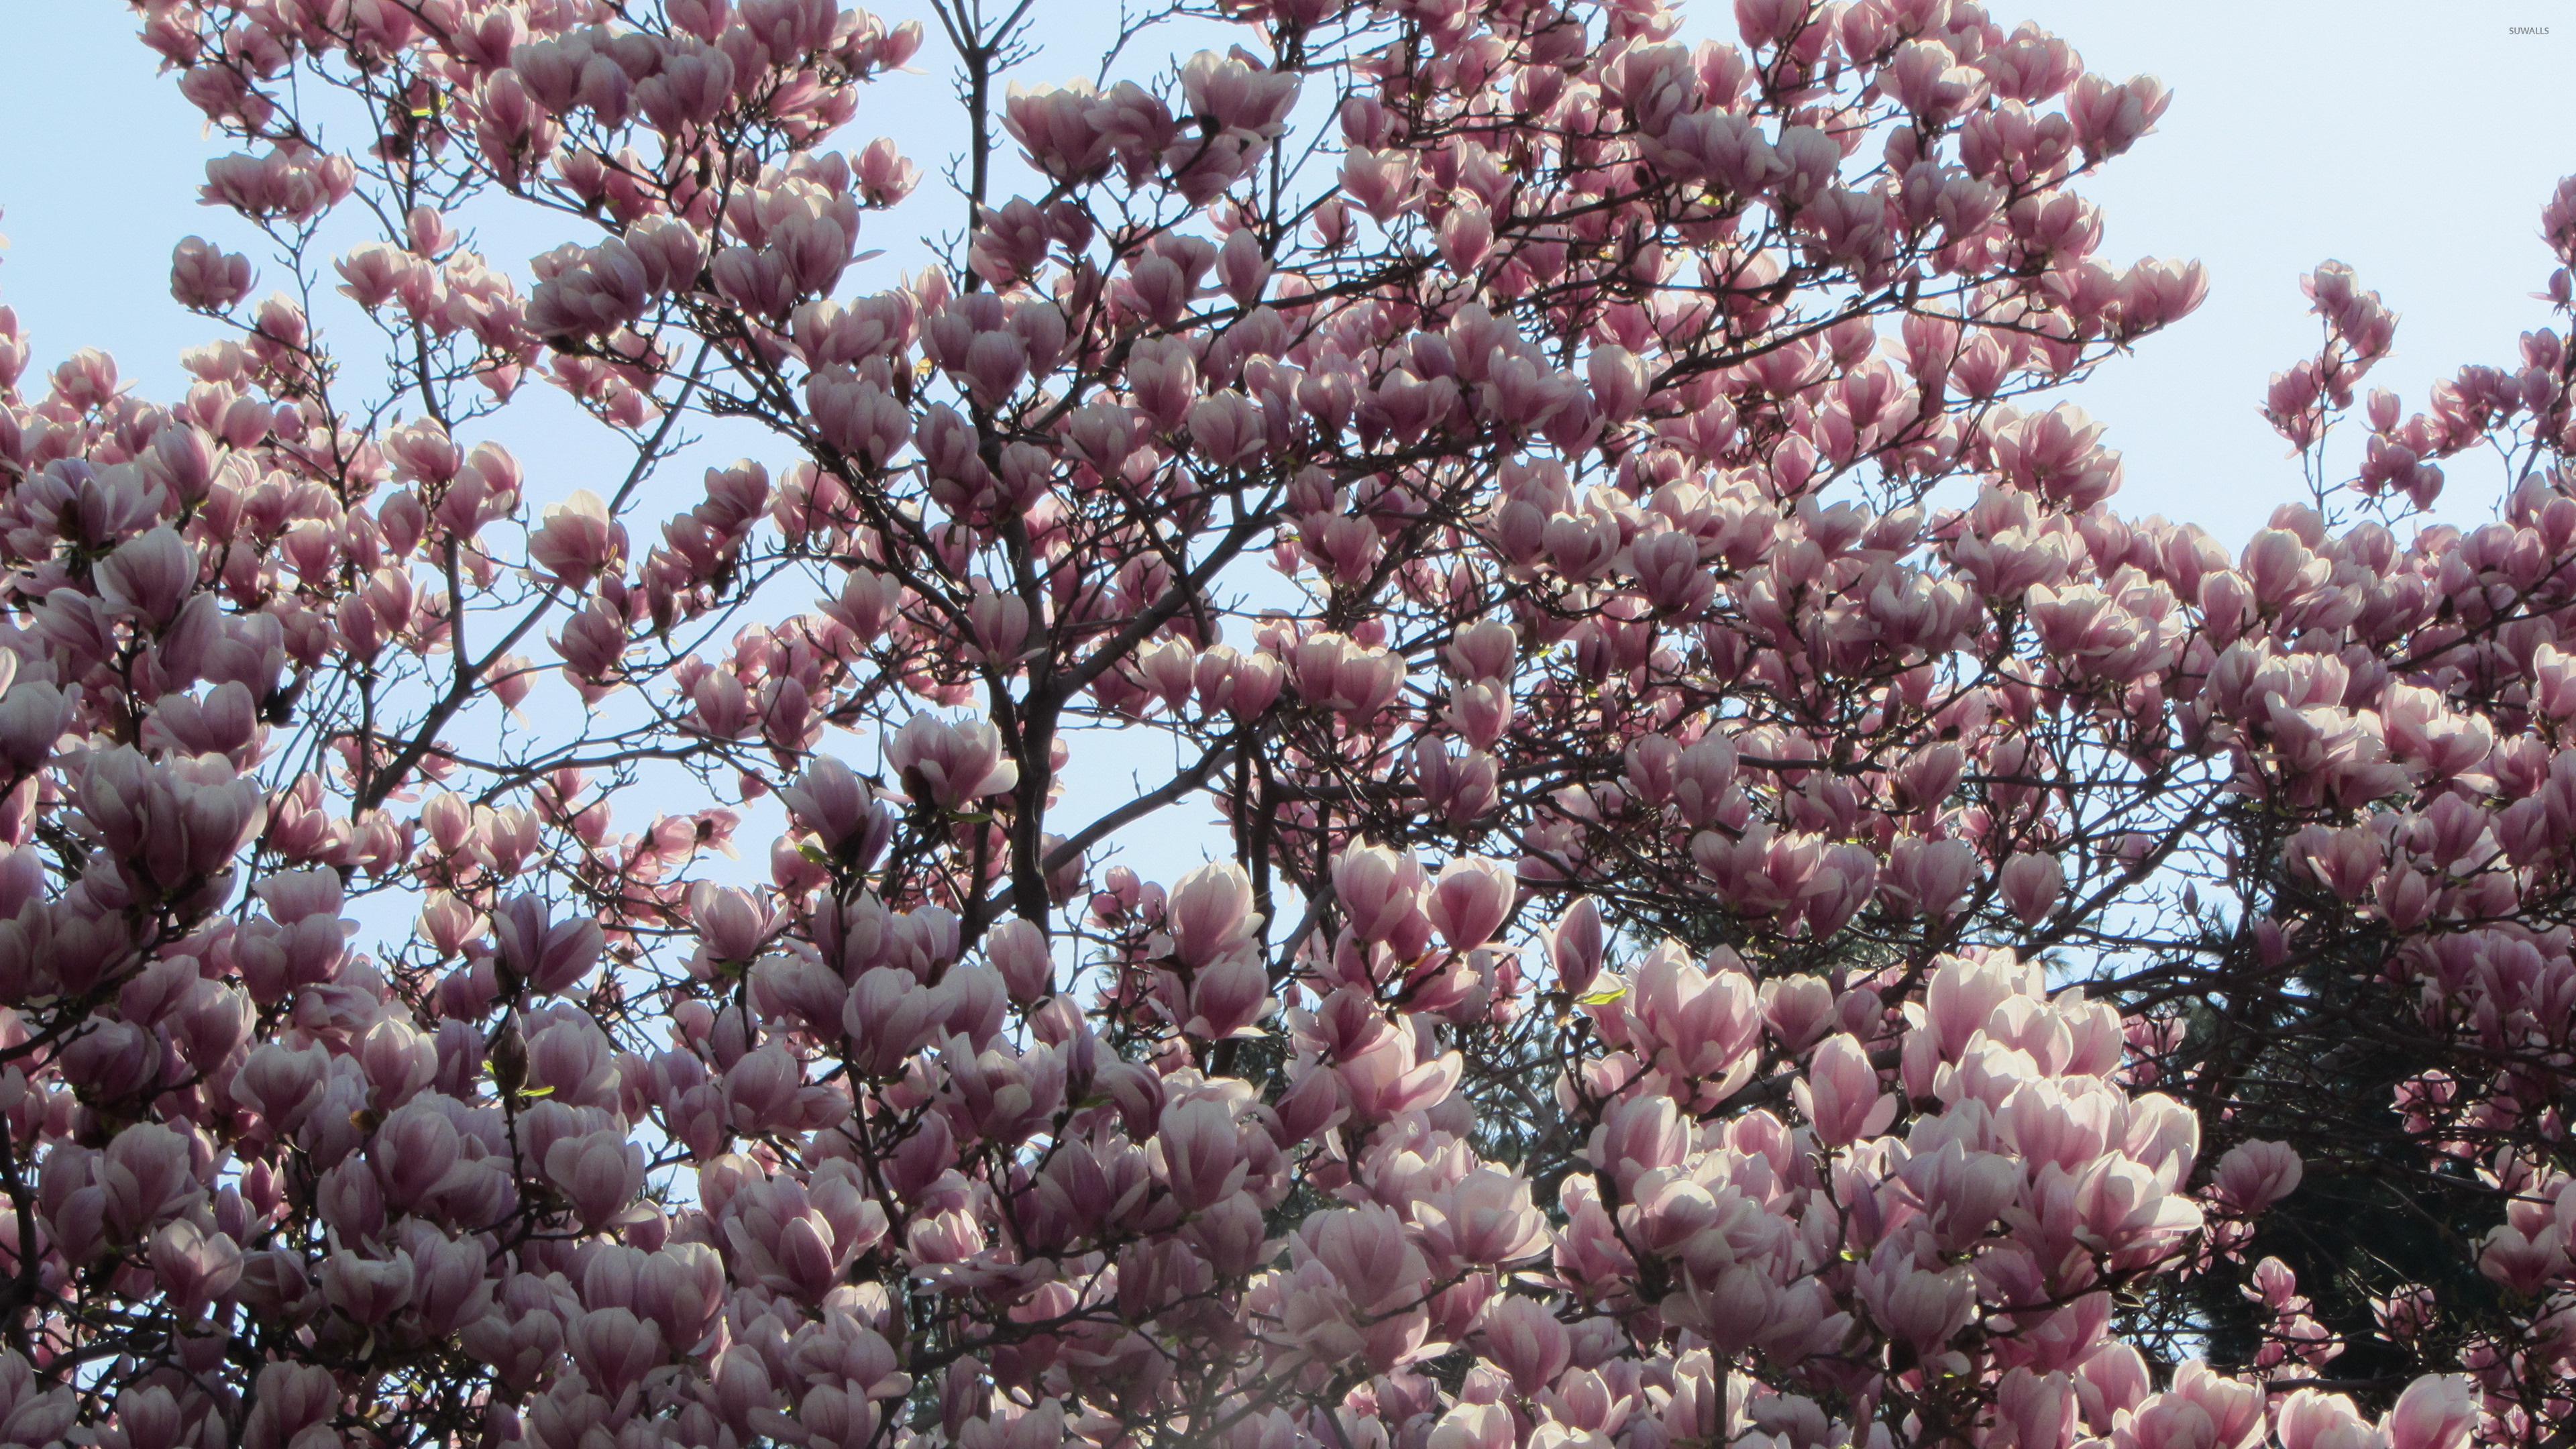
(1749, 904)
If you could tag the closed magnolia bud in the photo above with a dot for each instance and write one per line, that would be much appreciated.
(1208, 913)
(2031, 885)
(1840, 1093)
(1018, 950)
(33, 717)
(1618, 382)
(1470, 901)
(1574, 946)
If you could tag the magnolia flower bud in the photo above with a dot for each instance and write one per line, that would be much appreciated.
(1470, 901)
(2031, 885)
(1018, 950)
(1840, 1093)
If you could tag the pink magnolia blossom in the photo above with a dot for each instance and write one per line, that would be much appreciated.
(1740, 878)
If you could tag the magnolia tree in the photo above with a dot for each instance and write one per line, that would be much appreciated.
(1749, 903)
